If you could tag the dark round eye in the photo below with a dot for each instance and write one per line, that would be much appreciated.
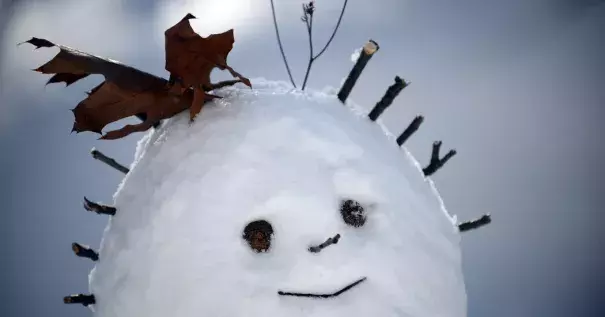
(258, 234)
(352, 213)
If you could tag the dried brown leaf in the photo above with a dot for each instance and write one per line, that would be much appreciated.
(191, 58)
(125, 92)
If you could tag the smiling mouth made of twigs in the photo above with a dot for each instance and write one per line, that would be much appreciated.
(312, 295)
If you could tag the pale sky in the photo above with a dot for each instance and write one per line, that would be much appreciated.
(515, 86)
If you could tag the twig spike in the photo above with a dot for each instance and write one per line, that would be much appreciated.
(413, 127)
(366, 53)
(476, 223)
(387, 99)
(99, 208)
(97, 155)
(84, 299)
(84, 252)
(436, 163)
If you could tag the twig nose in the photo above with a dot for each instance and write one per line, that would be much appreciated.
(329, 242)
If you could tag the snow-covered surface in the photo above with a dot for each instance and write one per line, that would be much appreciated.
(175, 247)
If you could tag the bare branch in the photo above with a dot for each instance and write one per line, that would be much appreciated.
(281, 48)
(308, 19)
(342, 12)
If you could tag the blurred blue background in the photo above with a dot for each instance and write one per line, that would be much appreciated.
(515, 86)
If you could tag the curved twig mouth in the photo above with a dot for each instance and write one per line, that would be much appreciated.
(312, 295)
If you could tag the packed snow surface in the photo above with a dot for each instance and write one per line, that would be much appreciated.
(175, 247)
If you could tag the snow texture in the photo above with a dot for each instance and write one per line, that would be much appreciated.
(175, 246)
(356, 54)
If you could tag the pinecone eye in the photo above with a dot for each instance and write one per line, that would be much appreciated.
(258, 234)
(352, 213)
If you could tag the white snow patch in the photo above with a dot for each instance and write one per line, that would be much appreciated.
(356, 54)
(175, 246)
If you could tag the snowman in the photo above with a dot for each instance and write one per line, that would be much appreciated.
(274, 202)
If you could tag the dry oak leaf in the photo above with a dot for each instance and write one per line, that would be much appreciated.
(191, 58)
(125, 92)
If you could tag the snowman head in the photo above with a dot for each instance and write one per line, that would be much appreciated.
(277, 203)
